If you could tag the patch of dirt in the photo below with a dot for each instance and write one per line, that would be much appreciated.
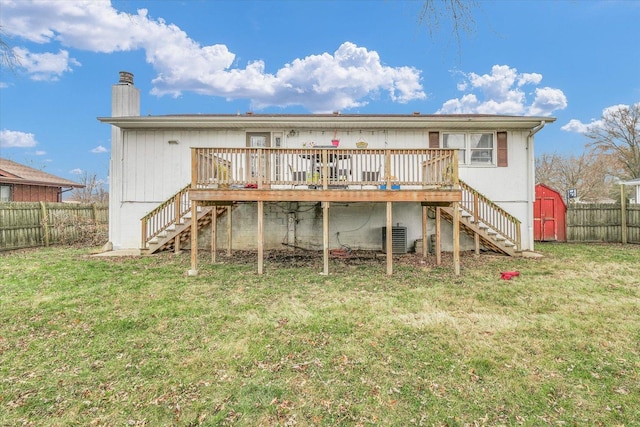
(310, 258)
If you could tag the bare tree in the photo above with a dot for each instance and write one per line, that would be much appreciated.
(591, 174)
(93, 191)
(435, 14)
(8, 57)
(618, 134)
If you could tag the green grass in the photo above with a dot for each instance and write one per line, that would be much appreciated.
(134, 341)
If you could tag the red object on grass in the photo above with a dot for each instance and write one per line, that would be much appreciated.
(507, 275)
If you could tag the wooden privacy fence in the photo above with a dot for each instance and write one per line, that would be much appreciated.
(602, 223)
(24, 225)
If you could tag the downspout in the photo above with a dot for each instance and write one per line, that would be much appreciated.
(531, 187)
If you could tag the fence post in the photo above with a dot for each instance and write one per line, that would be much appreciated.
(45, 223)
(623, 214)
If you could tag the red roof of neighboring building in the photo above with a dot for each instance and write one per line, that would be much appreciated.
(16, 173)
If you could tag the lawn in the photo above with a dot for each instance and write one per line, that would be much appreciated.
(135, 341)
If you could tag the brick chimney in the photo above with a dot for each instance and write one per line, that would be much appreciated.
(125, 98)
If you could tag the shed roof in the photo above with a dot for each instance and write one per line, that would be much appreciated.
(15, 173)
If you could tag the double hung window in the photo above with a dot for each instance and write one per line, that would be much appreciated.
(474, 148)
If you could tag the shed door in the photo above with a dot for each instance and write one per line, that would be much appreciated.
(547, 218)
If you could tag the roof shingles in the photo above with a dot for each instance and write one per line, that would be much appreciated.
(16, 173)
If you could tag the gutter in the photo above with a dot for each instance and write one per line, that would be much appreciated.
(537, 128)
(531, 187)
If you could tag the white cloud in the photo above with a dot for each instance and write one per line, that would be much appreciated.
(577, 126)
(45, 66)
(323, 82)
(76, 171)
(501, 92)
(546, 101)
(99, 149)
(40, 153)
(17, 139)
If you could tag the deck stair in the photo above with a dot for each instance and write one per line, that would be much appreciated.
(496, 229)
(168, 226)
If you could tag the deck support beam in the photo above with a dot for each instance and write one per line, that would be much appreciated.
(389, 236)
(325, 238)
(194, 239)
(229, 229)
(425, 212)
(260, 237)
(456, 238)
(438, 248)
(214, 233)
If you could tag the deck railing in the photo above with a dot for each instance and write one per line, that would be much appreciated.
(325, 168)
(168, 213)
(487, 212)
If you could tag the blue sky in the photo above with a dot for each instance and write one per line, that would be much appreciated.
(566, 59)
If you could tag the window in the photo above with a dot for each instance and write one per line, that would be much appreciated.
(5, 193)
(473, 148)
(455, 140)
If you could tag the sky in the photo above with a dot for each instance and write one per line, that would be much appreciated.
(569, 59)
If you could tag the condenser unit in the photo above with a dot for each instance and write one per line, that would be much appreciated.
(398, 240)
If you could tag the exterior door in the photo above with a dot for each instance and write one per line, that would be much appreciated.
(258, 140)
(547, 226)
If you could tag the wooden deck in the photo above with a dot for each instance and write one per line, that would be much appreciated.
(324, 174)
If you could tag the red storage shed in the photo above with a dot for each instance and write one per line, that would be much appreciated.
(549, 215)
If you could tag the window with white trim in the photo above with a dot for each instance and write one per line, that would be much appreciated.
(5, 193)
(474, 148)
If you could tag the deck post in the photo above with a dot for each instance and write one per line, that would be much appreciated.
(194, 239)
(229, 233)
(438, 248)
(325, 238)
(456, 238)
(176, 207)
(260, 237)
(424, 230)
(389, 236)
(214, 233)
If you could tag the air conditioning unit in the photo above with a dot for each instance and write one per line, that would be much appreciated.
(398, 240)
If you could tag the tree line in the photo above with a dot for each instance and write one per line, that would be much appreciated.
(612, 154)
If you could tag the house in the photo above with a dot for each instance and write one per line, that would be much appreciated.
(635, 183)
(20, 183)
(278, 176)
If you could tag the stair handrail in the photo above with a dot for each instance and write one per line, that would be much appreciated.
(482, 209)
(166, 214)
